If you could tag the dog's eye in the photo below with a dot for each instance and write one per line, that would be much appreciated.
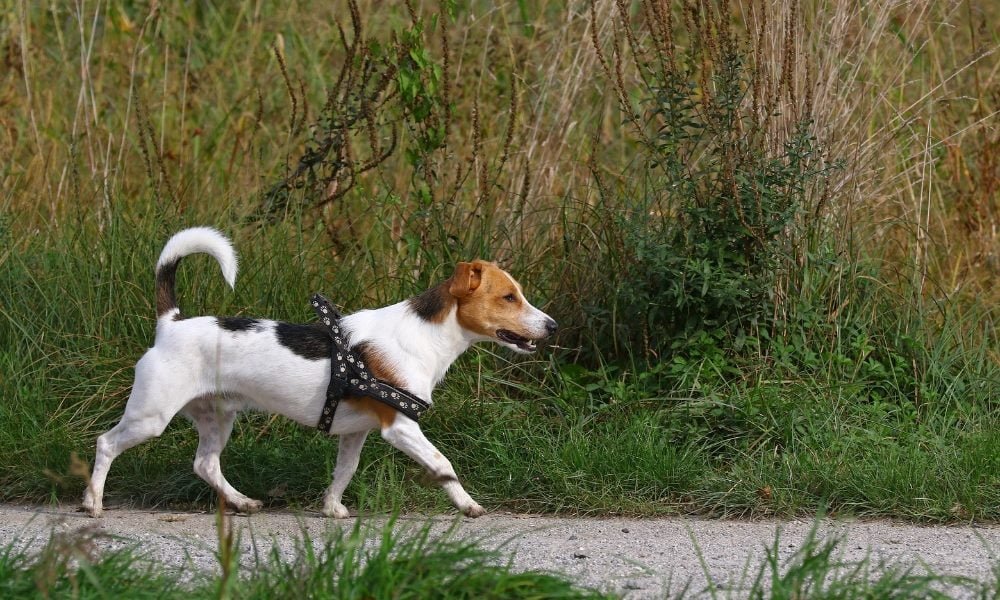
(510, 298)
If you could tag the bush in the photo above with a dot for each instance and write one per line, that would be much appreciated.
(709, 239)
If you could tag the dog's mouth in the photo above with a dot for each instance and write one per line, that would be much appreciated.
(518, 341)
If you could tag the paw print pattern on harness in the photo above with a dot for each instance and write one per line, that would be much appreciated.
(345, 363)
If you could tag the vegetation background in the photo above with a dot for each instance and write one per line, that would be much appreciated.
(768, 228)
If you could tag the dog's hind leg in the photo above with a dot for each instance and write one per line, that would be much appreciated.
(145, 417)
(214, 421)
(406, 435)
(348, 455)
(118, 439)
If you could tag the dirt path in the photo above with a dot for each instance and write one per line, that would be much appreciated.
(636, 557)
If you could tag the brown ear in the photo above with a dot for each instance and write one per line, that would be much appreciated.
(466, 279)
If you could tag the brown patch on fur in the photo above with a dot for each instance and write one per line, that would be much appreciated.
(383, 369)
(434, 304)
(166, 300)
(377, 364)
(385, 414)
(427, 479)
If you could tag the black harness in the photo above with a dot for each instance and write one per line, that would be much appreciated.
(350, 377)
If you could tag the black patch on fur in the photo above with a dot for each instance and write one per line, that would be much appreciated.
(166, 301)
(311, 342)
(430, 304)
(238, 323)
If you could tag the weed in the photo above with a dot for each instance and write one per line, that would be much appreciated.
(392, 560)
(362, 561)
(815, 570)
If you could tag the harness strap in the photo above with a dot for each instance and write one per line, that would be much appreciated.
(350, 377)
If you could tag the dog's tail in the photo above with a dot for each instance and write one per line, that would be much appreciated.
(190, 241)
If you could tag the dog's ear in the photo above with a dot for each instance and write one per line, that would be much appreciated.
(466, 279)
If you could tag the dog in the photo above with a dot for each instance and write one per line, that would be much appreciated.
(211, 368)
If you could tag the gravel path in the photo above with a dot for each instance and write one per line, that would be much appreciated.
(635, 557)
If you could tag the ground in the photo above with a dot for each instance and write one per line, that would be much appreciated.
(635, 557)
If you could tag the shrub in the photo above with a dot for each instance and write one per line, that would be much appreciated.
(705, 244)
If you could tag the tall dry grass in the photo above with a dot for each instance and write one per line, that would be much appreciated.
(905, 94)
(902, 94)
(106, 103)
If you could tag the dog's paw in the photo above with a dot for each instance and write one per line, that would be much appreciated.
(335, 511)
(93, 509)
(474, 511)
(248, 506)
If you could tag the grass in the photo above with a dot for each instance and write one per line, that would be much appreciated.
(838, 345)
(360, 562)
(816, 571)
(377, 561)
(535, 436)
(71, 565)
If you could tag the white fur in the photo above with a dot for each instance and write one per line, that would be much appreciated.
(209, 374)
(420, 351)
(202, 239)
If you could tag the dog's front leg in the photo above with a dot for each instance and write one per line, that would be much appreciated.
(405, 435)
(348, 455)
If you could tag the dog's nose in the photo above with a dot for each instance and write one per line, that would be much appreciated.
(551, 326)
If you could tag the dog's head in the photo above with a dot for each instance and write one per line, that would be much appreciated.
(492, 305)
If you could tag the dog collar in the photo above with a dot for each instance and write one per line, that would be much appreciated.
(349, 376)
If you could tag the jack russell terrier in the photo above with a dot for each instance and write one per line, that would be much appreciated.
(211, 368)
